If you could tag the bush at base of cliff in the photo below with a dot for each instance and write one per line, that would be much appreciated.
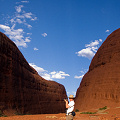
(104, 108)
(88, 113)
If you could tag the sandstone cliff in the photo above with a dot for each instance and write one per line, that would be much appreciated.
(21, 88)
(100, 86)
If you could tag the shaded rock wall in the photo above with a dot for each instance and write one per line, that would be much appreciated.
(100, 86)
(21, 88)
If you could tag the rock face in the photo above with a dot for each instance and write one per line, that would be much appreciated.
(100, 86)
(21, 88)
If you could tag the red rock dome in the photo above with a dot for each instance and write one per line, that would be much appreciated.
(100, 86)
(21, 88)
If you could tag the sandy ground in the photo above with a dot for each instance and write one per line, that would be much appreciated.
(109, 114)
(58, 117)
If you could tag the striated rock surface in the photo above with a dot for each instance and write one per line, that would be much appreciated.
(100, 86)
(21, 88)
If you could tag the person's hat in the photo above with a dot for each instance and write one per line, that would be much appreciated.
(71, 97)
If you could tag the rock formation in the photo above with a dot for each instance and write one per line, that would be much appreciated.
(21, 88)
(100, 86)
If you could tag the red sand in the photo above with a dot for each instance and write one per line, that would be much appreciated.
(109, 114)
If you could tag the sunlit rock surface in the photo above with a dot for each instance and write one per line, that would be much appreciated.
(100, 86)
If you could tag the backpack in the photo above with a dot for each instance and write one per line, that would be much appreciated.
(73, 113)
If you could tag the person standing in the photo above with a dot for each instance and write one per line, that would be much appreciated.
(70, 107)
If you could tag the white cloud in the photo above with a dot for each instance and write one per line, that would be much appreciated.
(87, 52)
(78, 77)
(28, 15)
(43, 73)
(33, 19)
(46, 76)
(22, 2)
(29, 33)
(90, 49)
(53, 73)
(4, 27)
(82, 72)
(107, 31)
(29, 26)
(49, 76)
(16, 35)
(18, 8)
(59, 75)
(20, 17)
(100, 40)
(92, 44)
(95, 49)
(44, 34)
(18, 20)
(27, 39)
(25, 1)
(38, 69)
(36, 48)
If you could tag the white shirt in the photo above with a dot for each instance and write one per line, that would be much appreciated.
(71, 108)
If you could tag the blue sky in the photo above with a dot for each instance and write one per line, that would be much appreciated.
(59, 37)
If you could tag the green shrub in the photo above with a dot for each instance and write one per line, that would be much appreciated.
(4, 115)
(103, 108)
(76, 110)
(1, 114)
(88, 113)
(17, 113)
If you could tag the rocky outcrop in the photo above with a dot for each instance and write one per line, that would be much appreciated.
(21, 88)
(100, 86)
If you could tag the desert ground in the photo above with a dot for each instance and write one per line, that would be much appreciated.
(107, 114)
